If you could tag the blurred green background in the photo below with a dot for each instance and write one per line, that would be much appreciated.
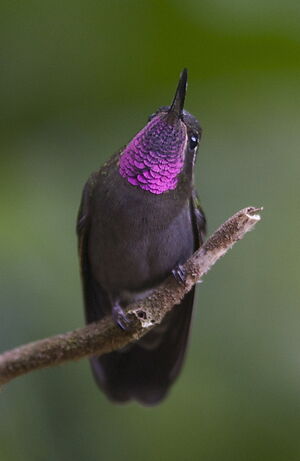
(77, 81)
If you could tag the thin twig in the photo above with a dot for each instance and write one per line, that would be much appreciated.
(104, 336)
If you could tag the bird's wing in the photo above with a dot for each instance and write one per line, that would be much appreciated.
(198, 219)
(95, 300)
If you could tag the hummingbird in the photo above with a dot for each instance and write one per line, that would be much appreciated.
(139, 221)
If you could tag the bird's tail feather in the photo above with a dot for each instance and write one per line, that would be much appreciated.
(145, 370)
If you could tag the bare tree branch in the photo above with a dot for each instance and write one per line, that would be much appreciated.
(104, 336)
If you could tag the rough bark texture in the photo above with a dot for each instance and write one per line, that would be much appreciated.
(104, 336)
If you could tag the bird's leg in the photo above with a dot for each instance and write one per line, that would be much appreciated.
(119, 316)
(179, 274)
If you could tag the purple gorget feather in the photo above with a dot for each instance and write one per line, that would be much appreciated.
(155, 156)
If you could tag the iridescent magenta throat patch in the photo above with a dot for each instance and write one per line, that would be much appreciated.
(154, 157)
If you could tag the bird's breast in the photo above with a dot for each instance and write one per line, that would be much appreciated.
(136, 240)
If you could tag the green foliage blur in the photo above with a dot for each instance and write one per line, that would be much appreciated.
(77, 81)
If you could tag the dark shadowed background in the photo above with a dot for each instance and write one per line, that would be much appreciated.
(77, 81)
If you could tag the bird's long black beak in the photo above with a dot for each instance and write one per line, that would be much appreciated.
(176, 107)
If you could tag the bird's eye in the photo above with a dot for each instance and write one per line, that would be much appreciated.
(193, 141)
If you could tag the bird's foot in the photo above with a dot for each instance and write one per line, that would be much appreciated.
(120, 318)
(179, 273)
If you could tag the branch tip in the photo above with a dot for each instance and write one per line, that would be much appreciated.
(253, 213)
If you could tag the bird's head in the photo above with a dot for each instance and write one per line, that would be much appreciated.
(166, 148)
